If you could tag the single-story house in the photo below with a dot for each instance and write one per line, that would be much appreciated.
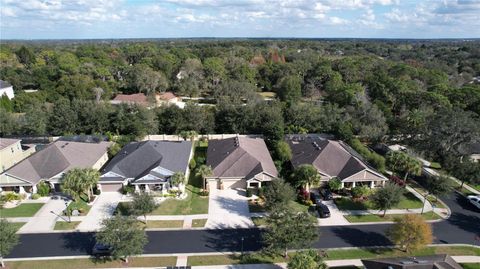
(166, 98)
(50, 163)
(148, 165)
(6, 89)
(239, 163)
(131, 99)
(12, 152)
(333, 159)
(442, 261)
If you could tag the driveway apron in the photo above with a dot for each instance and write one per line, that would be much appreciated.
(228, 209)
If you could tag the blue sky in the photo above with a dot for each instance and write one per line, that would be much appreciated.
(61, 19)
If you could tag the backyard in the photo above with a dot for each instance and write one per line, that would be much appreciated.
(22, 210)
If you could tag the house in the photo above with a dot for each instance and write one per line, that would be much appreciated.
(131, 99)
(442, 261)
(239, 163)
(148, 165)
(6, 89)
(50, 163)
(11, 152)
(333, 159)
(167, 98)
(473, 152)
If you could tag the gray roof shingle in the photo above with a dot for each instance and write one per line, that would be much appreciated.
(137, 159)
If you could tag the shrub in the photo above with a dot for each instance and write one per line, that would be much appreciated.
(335, 184)
(35, 196)
(128, 189)
(435, 165)
(200, 160)
(303, 196)
(192, 164)
(80, 205)
(398, 181)
(204, 193)
(97, 191)
(43, 189)
(360, 191)
(261, 192)
(10, 196)
(114, 149)
(249, 192)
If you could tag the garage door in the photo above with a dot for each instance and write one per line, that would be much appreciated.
(112, 187)
(235, 184)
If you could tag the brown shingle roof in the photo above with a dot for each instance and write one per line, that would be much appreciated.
(5, 142)
(330, 157)
(240, 157)
(137, 98)
(167, 96)
(56, 158)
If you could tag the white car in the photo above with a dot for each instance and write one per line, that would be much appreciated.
(475, 200)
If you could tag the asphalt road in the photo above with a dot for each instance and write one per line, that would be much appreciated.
(462, 227)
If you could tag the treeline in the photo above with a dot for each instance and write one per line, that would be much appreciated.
(419, 92)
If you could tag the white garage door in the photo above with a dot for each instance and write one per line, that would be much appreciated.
(112, 187)
(235, 184)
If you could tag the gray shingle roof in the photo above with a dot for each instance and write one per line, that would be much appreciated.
(56, 158)
(138, 158)
(241, 157)
(330, 157)
(4, 84)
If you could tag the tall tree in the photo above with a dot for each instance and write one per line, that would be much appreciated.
(387, 197)
(204, 171)
(8, 239)
(410, 232)
(283, 151)
(124, 235)
(278, 194)
(289, 89)
(467, 171)
(306, 259)
(287, 229)
(143, 203)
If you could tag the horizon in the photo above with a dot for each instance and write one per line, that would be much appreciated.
(259, 19)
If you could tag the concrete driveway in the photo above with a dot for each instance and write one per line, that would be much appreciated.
(102, 208)
(44, 220)
(228, 209)
(336, 216)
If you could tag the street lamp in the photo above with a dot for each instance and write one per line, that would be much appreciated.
(68, 212)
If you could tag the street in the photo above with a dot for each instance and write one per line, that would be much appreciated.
(462, 227)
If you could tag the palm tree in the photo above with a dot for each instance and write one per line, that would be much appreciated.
(204, 171)
(72, 183)
(177, 179)
(91, 178)
(412, 167)
(306, 175)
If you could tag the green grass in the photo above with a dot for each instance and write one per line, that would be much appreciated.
(470, 265)
(163, 224)
(407, 201)
(80, 205)
(63, 225)
(18, 225)
(296, 206)
(336, 254)
(390, 217)
(199, 223)
(268, 94)
(22, 210)
(258, 221)
(259, 207)
(92, 263)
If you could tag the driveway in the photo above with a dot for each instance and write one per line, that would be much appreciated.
(336, 216)
(228, 209)
(102, 208)
(44, 220)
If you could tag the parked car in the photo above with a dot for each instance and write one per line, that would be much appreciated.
(474, 200)
(323, 210)
(100, 250)
(326, 194)
(315, 198)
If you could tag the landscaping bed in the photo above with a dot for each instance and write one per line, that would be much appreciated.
(389, 217)
(22, 210)
(94, 263)
(65, 225)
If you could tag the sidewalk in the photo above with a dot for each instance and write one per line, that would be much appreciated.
(435, 173)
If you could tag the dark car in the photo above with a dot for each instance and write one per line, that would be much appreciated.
(326, 194)
(315, 198)
(323, 210)
(101, 250)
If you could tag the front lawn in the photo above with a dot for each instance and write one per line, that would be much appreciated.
(470, 265)
(258, 221)
(407, 201)
(199, 223)
(163, 224)
(81, 206)
(65, 225)
(389, 217)
(193, 204)
(257, 206)
(22, 210)
(93, 263)
(18, 225)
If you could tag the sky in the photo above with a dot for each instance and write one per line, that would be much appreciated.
(80, 19)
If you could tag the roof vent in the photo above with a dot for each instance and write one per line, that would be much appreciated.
(125, 153)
